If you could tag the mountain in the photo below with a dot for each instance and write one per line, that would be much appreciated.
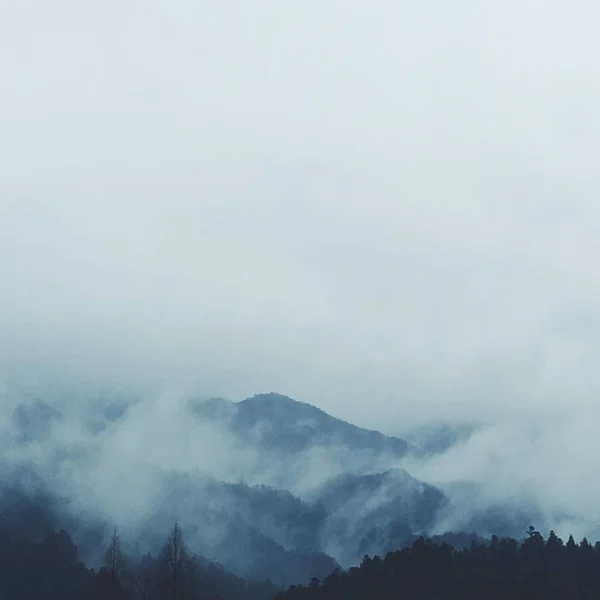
(277, 423)
(373, 513)
(33, 420)
(301, 492)
(255, 531)
(297, 446)
(352, 501)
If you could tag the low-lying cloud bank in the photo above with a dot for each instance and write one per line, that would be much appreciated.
(125, 460)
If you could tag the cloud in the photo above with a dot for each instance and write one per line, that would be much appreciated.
(386, 209)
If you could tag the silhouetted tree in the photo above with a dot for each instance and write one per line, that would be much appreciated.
(501, 569)
(177, 563)
(113, 559)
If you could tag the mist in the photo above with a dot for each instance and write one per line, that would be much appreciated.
(386, 210)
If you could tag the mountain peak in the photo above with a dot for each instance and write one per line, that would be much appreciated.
(272, 421)
(284, 423)
(277, 404)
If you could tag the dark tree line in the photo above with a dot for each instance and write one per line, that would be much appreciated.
(502, 569)
(47, 567)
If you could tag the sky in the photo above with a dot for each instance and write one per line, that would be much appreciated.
(387, 209)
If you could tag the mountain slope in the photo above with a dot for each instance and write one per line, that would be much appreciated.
(292, 493)
(278, 423)
(254, 531)
(374, 513)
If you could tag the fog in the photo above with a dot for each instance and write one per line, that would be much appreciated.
(388, 210)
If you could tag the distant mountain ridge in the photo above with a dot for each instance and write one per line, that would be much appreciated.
(278, 422)
(317, 492)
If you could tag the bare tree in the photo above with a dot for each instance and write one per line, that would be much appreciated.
(114, 562)
(177, 563)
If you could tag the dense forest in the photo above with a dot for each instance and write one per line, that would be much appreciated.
(501, 569)
(48, 568)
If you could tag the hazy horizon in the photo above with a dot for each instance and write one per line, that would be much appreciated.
(388, 210)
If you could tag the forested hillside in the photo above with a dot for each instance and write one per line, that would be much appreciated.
(503, 569)
(48, 567)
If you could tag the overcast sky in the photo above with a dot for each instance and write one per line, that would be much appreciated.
(390, 209)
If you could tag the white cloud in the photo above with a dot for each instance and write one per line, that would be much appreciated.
(388, 209)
